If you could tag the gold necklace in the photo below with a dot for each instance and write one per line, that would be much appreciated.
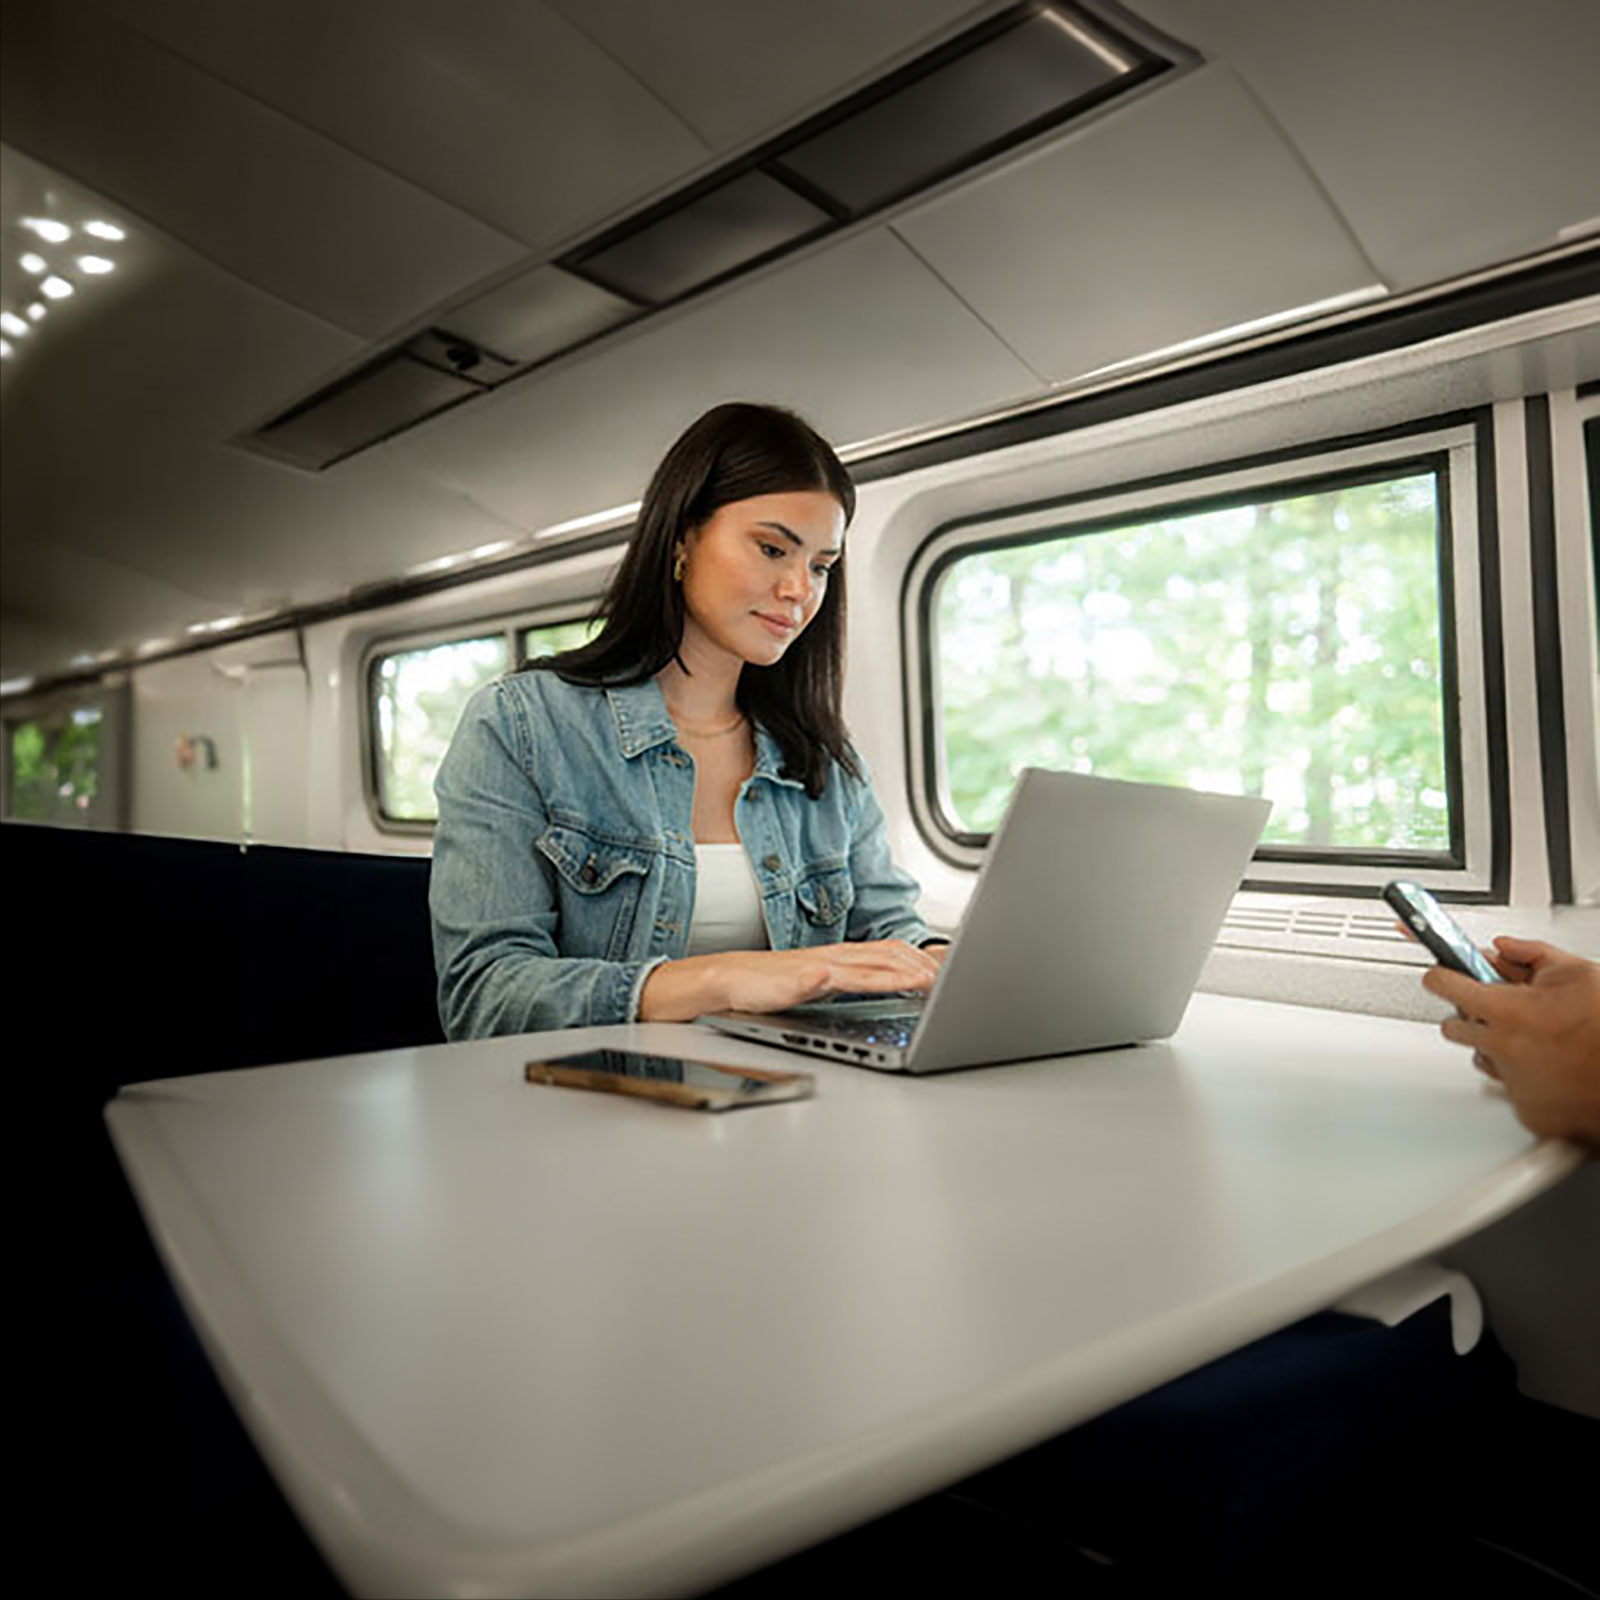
(689, 731)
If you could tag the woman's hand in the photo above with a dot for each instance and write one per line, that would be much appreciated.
(770, 980)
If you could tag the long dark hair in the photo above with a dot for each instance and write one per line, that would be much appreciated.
(734, 452)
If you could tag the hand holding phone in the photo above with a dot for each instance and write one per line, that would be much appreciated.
(1438, 932)
(696, 1085)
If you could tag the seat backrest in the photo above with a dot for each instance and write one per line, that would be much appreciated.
(130, 957)
(157, 957)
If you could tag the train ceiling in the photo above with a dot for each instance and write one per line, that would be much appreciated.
(301, 187)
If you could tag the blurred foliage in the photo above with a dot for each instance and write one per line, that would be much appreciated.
(55, 767)
(1289, 648)
(420, 698)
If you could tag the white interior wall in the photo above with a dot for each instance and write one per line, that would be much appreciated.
(251, 701)
(186, 697)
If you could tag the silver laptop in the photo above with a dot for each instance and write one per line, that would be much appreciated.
(1093, 913)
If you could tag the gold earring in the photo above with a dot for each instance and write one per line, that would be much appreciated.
(677, 568)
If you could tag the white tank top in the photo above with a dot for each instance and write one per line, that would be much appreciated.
(727, 902)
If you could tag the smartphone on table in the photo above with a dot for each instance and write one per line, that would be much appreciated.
(673, 1080)
(1443, 937)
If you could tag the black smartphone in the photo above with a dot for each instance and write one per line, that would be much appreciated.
(696, 1085)
(1435, 928)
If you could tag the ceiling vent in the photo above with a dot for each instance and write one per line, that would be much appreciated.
(1031, 69)
(1015, 76)
(949, 114)
(428, 374)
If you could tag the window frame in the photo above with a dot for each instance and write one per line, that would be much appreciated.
(1575, 437)
(1459, 448)
(509, 626)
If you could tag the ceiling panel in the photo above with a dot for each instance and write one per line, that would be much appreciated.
(1172, 218)
(254, 536)
(85, 602)
(26, 645)
(737, 69)
(285, 208)
(1452, 134)
(503, 108)
(536, 314)
(860, 338)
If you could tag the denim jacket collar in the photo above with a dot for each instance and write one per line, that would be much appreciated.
(643, 722)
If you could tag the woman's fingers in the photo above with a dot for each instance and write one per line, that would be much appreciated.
(882, 964)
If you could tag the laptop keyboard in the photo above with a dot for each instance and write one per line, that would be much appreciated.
(895, 1032)
(878, 1019)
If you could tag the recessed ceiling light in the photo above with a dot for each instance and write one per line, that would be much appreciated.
(37, 311)
(13, 324)
(5, 349)
(47, 228)
(32, 263)
(95, 265)
(104, 230)
(56, 288)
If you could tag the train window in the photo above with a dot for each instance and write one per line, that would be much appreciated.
(1280, 630)
(555, 637)
(54, 766)
(418, 695)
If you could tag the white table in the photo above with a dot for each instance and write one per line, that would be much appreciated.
(495, 1338)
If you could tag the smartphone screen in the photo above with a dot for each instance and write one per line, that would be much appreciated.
(696, 1085)
(1439, 932)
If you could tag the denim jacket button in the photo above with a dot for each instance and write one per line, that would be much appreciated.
(588, 874)
(772, 863)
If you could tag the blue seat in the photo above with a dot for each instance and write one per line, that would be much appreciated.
(1203, 1478)
(140, 958)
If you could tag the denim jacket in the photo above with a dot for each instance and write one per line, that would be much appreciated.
(564, 866)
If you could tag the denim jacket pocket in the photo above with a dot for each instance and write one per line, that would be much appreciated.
(606, 876)
(825, 899)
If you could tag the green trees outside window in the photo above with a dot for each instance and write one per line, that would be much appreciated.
(419, 700)
(552, 639)
(419, 696)
(1289, 648)
(55, 767)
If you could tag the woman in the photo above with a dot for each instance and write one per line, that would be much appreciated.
(670, 820)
